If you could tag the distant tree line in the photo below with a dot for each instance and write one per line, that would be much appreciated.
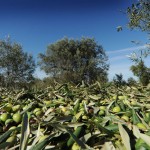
(64, 61)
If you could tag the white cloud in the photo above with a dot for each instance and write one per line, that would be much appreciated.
(116, 58)
(127, 49)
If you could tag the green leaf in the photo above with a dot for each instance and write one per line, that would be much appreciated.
(6, 135)
(74, 137)
(141, 145)
(108, 107)
(76, 107)
(42, 144)
(27, 108)
(94, 97)
(112, 127)
(124, 136)
(103, 129)
(64, 118)
(144, 137)
(75, 125)
(135, 117)
(108, 146)
(78, 115)
(5, 145)
(25, 132)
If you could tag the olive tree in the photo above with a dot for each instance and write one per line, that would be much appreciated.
(139, 18)
(139, 15)
(74, 61)
(142, 72)
(16, 66)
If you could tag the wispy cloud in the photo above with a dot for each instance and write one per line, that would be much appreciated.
(127, 49)
(117, 58)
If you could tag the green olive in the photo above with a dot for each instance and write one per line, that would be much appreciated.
(17, 117)
(12, 139)
(101, 112)
(38, 111)
(141, 126)
(75, 146)
(64, 109)
(84, 117)
(8, 121)
(124, 117)
(102, 108)
(116, 109)
(16, 108)
(4, 117)
(8, 107)
(47, 103)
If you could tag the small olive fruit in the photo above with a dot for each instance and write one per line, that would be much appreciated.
(37, 111)
(25, 107)
(101, 112)
(13, 127)
(4, 117)
(17, 117)
(47, 103)
(12, 139)
(133, 102)
(16, 108)
(75, 146)
(147, 115)
(122, 97)
(8, 107)
(124, 117)
(114, 97)
(8, 121)
(116, 109)
(64, 109)
(84, 117)
(141, 126)
(102, 108)
(19, 125)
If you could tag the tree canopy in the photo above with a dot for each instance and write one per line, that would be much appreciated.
(139, 15)
(142, 72)
(139, 18)
(15, 64)
(75, 60)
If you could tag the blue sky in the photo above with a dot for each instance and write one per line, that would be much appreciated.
(37, 23)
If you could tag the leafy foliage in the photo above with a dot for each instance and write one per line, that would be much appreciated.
(77, 117)
(75, 60)
(131, 81)
(118, 80)
(16, 66)
(139, 15)
(142, 72)
(139, 18)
